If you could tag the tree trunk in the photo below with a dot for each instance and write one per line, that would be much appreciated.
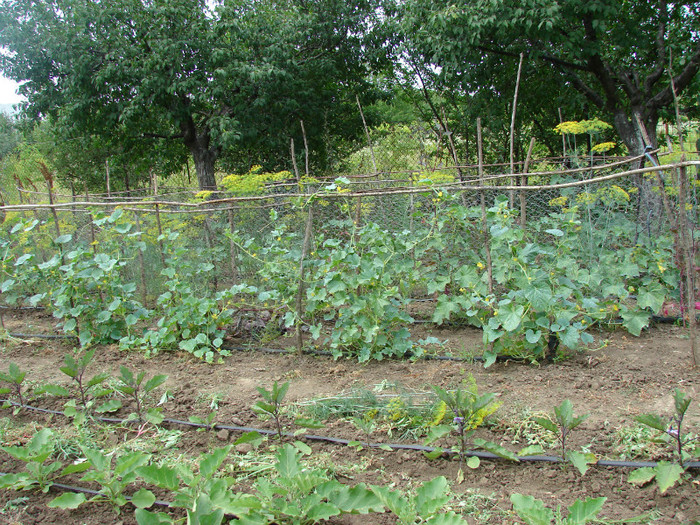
(203, 153)
(632, 135)
(204, 161)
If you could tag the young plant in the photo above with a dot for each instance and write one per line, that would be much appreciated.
(38, 472)
(88, 390)
(15, 378)
(303, 495)
(366, 424)
(209, 421)
(533, 511)
(112, 480)
(271, 405)
(469, 409)
(667, 474)
(133, 387)
(205, 496)
(423, 507)
(563, 423)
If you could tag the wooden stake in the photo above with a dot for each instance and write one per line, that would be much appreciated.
(154, 184)
(523, 182)
(109, 193)
(369, 140)
(512, 127)
(142, 265)
(306, 147)
(300, 292)
(92, 223)
(484, 223)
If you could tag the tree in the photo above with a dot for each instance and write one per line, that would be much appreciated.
(618, 56)
(221, 80)
(9, 137)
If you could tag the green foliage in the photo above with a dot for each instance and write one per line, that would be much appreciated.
(209, 76)
(204, 495)
(592, 43)
(40, 471)
(548, 290)
(272, 404)
(469, 410)
(664, 473)
(190, 318)
(533, 511)
(15, 378)
(684, 445)
(113, 473)
(89, 391)
(424, 506)
(302, 495)
(561, 425)
(139, 392)
(357, 285)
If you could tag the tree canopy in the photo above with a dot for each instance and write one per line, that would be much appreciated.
(618, 56)
(221, 80)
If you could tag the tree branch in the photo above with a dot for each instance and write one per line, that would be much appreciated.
(658, 72)
(586, 90)
(681, 81)
(546, 58)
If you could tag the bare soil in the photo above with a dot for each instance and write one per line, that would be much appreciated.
(627, 377)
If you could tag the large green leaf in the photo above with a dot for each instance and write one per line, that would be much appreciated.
(532, 511)
(584, 511)
(431, 496)
(67, 501)
(667, 475)
(510, 315)
(635, 321)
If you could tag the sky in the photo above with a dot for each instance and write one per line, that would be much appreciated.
(8, 93)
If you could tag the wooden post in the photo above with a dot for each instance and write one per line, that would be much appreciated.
(154, 184)
(484, 223)
(512, 129)
(48, 177)
(306, 147)
(688, 260)
(142, 265)
(300, 292)
(523, 182)
(563, 137)
(93, 240)
(109, 192)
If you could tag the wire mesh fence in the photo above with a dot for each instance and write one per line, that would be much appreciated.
(393, 201)
(368, 242)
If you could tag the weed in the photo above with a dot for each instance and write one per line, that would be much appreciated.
(523, 429)
(638, 442)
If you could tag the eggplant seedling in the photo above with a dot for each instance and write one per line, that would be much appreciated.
(15, 378)
(563, 423)
(685, 446)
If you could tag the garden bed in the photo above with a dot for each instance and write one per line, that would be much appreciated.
(629, 376)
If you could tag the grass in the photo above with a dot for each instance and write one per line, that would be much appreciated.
(398, 412)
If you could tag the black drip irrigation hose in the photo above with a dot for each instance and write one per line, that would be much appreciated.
(393, 446)
(41, 336)
(22, 308)
(73, 488)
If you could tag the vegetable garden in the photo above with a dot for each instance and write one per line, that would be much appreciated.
(400, 299)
